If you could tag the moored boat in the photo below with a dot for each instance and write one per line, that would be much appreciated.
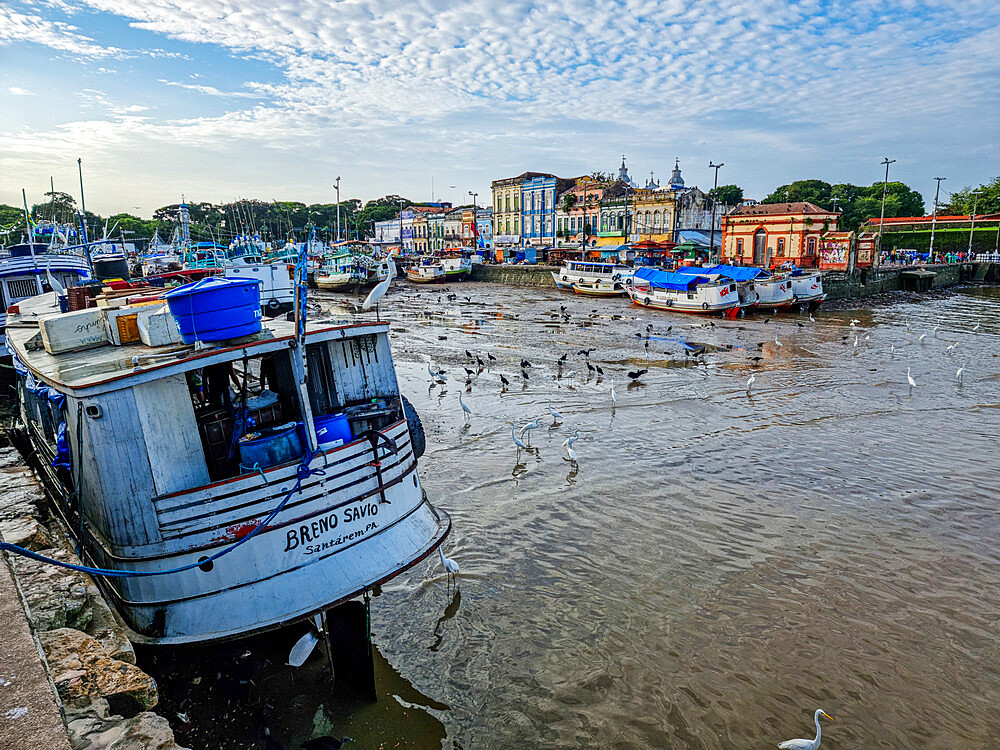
(426, 273)
(807, 288)
(682, 292)
(587, 272)
(456, 268)
(230, 489)
(600, 289)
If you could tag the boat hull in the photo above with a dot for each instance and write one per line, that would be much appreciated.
(598, 290)
(336, 282)
(419, 278)
(654, 301)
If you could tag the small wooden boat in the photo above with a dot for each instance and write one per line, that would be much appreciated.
(600, 289)
(456, 268)
(682, 292)
(426, 274)
(807, 287)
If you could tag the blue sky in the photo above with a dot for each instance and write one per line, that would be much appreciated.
(219, 99)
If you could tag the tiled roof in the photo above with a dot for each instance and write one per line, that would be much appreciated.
(779, 209)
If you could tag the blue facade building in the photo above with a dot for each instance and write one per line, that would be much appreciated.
(538, 208)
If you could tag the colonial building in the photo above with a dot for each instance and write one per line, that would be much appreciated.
(538, 208)
(484, 228)
(386, 233)
(453, 228)
(507, 210)
(770, 234)
(578, 211)
(435, 231)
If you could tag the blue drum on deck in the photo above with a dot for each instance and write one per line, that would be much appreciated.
(270, 447)
(332, 431)
(216, 309)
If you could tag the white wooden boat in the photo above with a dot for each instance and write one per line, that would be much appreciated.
(429, 273)
(807, 288)
(337, 273)
(774, 293)
(144, 436)
(600, 289)
(587, 272)
(456, 268)
(758, 286)
(682, 292)
(277, 290)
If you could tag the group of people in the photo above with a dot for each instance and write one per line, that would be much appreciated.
(914, 257)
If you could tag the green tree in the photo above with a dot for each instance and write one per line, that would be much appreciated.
(62, 206)
(962, 202)
(813, 191)
(856, 203)
(727, 195)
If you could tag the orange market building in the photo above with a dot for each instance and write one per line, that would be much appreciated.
(772, 234)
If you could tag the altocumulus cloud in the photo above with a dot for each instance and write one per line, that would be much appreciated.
(482, 80)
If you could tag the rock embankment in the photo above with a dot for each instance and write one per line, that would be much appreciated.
(105, 698)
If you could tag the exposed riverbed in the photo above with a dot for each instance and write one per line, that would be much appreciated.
(714, 567)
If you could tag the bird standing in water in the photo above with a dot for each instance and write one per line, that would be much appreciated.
(466, 409)
(750, 381)
(909, 379)
(450, 566)
(812, 744)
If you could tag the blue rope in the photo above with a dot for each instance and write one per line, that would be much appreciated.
(301, 473)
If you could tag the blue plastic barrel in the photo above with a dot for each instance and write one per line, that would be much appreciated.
(271, 447)
(332, 430)
(216, 309)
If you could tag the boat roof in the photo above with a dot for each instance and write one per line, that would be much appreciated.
(109, 367)
(660, 279)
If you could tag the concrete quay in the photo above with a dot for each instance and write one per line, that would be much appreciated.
(68, 679)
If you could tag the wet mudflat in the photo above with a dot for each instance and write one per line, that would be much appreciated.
(716, 564)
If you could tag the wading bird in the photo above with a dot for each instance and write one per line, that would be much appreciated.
(490, 356)
(517, 441)
(778, 343)
(504, 382)
(636, 374)
(556, 416)
(450, 566)
(951, 348)
(614, 396)
(922, 337)
(811, 318)
(375, 295)
(465, 408)
(750, 381)
(570, 454)
(807, 744)
(975, 328)
(534, 425)
(909, 379)
(959, 374)
(571, 439)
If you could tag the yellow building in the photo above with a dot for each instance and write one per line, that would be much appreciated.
(507, 210)
(653, 214)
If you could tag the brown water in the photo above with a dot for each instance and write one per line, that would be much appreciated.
(716, 565)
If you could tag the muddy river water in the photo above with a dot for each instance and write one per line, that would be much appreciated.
(716, 564)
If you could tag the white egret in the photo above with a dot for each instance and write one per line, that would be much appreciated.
(935, 330)
(465, 408)
(922, 337)
(376, 294)
(517, 441)
(811, 318)
(614, 395)
(855, 341)
(868, 337)
(56, 287)
(556, 416)
(571, 439)
(976, 328)
(750, 381)
(909, 379)
(892, 348)
(959, 374)
(807, 744)
(570, 454)
(855, 322)
(776, 340)
(450, 566)
(534, 425)
(951, 348)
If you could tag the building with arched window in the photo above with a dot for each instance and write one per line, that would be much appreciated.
(770, 234)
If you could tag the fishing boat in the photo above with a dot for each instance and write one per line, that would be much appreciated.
(257, 491)
(426, 272)
(337, 272)
(30, 268)
(160, 257)
(456, 267)
(370, 270)
(807, 288)
(682, 292)
(600, 289)
(743, 276)
(586, 272)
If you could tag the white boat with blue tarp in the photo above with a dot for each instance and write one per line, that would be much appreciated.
(758, 287)
(682, 292)
(807, 287)
(589, 273)
(223, 475)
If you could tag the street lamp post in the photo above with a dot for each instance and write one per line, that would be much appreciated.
(338, 209)
(937, 192)
(715, 198)
(885, 189)
(583, 230)
(972, 226)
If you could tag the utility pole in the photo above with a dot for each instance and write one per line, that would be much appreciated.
(583, 241)
(937, 192)
(885, 189)
(972, 226)
(475, 235)
(715, 198)
(338, 209)
(401, 253)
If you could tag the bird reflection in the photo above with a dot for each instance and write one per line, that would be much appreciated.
(450, 611)
(574, 470)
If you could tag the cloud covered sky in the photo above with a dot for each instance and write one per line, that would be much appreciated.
(218, 99)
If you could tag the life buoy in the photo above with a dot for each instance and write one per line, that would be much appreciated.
(565, 278)
(646, 301)
(670, 302)
(580, 281)
(616, 277)
(273, 307)
(704, 305)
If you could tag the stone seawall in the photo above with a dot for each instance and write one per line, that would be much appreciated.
(103, 697)
(514, 275)
(866, 283)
